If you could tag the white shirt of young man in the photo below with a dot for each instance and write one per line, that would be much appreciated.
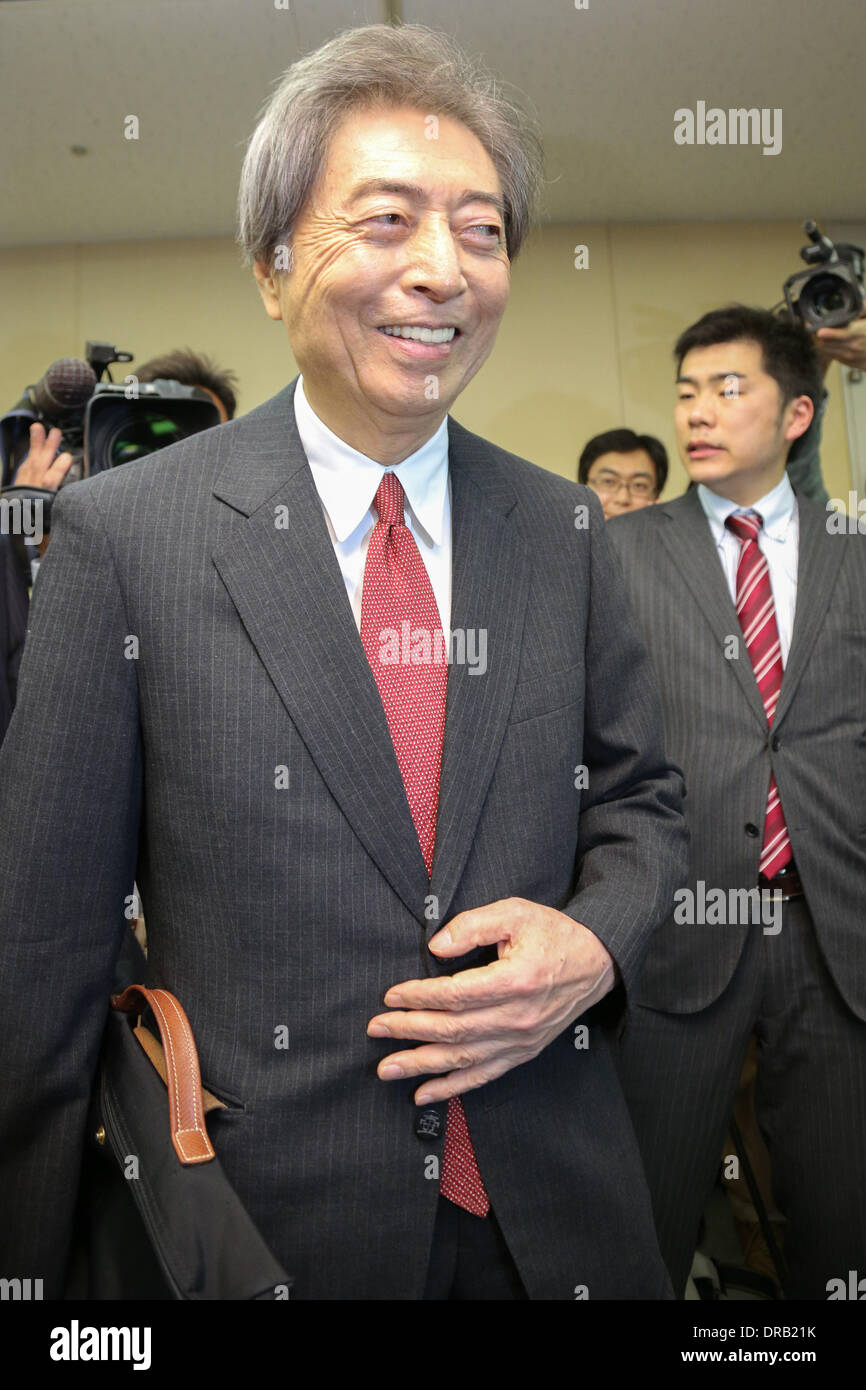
(778, 541)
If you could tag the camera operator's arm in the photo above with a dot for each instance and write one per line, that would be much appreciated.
(70, 795)
(43, 466)
(848, 347)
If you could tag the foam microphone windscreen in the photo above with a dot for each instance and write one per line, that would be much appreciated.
(66, 387)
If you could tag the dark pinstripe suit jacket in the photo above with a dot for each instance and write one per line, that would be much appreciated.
(13, 625)
(297, 899)
(717, 733)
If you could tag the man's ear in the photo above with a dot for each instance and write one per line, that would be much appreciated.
(799, 413)
(267, 283)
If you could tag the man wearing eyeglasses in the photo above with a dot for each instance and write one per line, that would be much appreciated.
(625, 469)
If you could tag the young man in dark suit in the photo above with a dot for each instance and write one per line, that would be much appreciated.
(750, 599)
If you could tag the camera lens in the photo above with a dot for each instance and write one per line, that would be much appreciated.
(142, 436)
(828, 300)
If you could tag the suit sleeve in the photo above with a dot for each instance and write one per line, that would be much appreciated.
(70, 794)
(633, 839)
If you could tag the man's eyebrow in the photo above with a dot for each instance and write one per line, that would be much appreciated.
(418, 195)
(716, 376)
(640, 473)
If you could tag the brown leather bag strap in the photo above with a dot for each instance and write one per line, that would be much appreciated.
(183, 1077)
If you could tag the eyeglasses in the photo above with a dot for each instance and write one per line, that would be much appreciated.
(611, 482)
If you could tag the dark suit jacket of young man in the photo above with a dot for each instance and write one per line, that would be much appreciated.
(298, 905)
(717, 733)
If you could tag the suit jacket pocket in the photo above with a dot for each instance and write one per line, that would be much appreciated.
(545, 694)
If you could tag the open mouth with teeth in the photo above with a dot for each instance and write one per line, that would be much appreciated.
(418, 334)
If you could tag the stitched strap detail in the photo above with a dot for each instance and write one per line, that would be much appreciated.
(182, 1074)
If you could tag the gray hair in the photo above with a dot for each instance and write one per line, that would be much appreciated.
(377, 64)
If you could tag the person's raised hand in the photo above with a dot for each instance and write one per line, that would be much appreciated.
(43, 466)
(845, 345)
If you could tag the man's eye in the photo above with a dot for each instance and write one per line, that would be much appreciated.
(491, 228)
(383, 217)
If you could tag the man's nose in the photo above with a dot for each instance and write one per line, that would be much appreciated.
(702, 409)
(434, 265)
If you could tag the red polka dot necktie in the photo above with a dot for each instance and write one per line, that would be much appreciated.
(405, 646)
(757, 614)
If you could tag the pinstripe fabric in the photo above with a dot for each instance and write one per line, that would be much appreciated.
(716, 731)
(681, 1072)
(802, 987)
(235, 760)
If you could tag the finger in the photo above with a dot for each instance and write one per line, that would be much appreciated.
(436, 1058)
(478, 926)
(475, 1025)
(42, 447)
(484, 986)
(58, 470)
(50, 442)
(456, 1083)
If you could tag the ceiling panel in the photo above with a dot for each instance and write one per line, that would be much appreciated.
(605, 82)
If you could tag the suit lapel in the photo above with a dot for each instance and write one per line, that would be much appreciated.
(491, 571)
(287, 587)
(689, 540)
(817, 569)
(286, 584)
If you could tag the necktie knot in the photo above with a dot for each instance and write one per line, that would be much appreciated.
(389, 500)
(745, 525)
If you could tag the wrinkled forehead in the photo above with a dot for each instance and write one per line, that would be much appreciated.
(375, 145)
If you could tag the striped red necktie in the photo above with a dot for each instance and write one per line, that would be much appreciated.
(757, 614)
(399, 619)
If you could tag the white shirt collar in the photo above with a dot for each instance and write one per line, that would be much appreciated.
(775, 507)
(347, 480)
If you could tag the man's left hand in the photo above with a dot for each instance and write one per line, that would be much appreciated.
(480, 1023)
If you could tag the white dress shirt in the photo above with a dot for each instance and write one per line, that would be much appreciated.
(778, 540)
(347, 482)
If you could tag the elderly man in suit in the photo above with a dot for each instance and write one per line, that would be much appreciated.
(751, 602)
(358, 700)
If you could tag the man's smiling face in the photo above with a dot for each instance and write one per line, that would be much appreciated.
(400, 232)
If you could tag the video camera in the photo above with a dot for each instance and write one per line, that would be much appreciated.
(830, 294)
(103, 424)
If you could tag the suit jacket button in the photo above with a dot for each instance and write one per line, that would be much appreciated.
(751, 829)
(428, 1124)
(776, 743)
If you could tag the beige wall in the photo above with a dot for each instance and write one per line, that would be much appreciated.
(579, 351)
